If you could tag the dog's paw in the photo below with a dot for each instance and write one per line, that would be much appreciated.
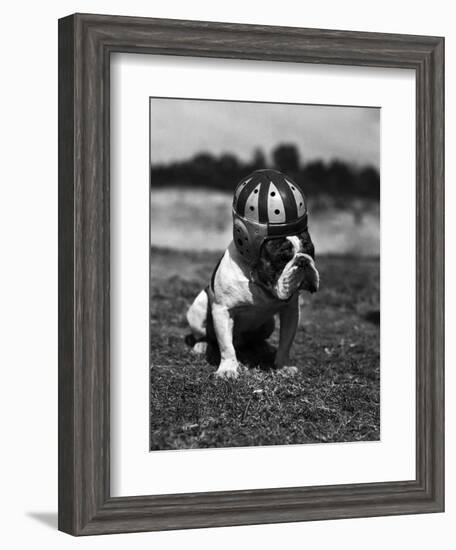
(289, 371)
(199, 348)
(229, 368)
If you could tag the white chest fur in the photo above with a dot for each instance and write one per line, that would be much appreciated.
(248, 302)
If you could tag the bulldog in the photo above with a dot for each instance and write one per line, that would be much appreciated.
(239, 306)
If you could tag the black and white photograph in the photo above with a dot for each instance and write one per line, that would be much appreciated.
(225, 284)
(264, 274)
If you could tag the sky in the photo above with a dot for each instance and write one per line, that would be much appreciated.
(181, 128)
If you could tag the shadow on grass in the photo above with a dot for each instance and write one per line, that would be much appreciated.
(260, 356)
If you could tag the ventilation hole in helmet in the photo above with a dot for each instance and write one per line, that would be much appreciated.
(252, 208)
(277, 212)
(272, 193)
(240, 243)
(256, 191)
(300, 204)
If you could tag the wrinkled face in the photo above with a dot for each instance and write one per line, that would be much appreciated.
(287, 264)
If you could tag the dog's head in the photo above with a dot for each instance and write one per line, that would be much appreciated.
(286, 265)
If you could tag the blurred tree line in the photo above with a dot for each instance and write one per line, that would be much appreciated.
(337, 179)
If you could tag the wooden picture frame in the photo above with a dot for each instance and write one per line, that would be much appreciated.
(85, 45)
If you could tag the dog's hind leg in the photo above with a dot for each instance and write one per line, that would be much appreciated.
(197, 316)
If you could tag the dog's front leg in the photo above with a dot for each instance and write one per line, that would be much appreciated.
(289, 319)
(223, 326)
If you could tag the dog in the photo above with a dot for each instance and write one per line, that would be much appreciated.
(239, 305)
(269, 261)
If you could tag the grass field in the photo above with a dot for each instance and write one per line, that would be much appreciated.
(334, 397)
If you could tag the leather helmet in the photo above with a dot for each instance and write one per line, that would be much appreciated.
(267, 204)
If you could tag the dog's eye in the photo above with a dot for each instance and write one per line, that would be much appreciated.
(286, 246)
(279, 251)
(286, 251)
(273, 246)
